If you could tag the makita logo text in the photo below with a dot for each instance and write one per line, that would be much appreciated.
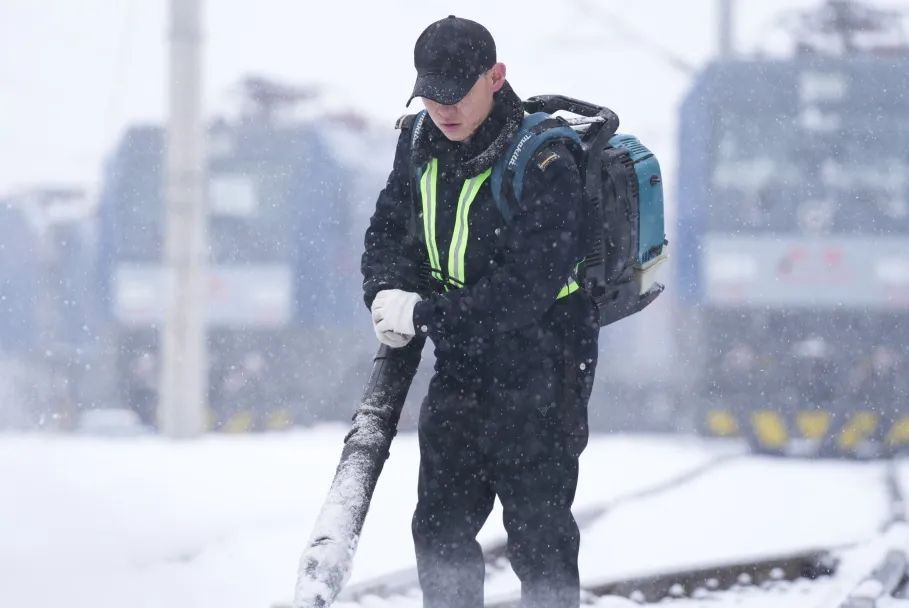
(517, 150)
(418, 128)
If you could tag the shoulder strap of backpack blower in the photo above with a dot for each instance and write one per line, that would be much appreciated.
(507, 179)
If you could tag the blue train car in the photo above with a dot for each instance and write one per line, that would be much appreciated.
(283, 284)
(19, 294)
(793, 251)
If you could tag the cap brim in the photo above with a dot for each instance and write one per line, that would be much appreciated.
(442, 89)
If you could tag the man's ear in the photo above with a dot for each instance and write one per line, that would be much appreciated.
(498, 76)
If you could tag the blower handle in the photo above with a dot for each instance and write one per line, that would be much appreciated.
(554, 103)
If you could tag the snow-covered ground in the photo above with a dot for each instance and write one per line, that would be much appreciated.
(148, 522)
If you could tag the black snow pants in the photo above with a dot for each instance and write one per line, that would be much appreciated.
(511, 423)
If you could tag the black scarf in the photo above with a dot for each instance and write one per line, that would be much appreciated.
(485, 146)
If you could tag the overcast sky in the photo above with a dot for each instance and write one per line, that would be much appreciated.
(74, 73)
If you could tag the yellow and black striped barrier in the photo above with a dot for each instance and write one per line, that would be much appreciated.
(772, 431)
(246, 421)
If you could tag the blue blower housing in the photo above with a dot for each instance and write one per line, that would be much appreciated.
(648, 181)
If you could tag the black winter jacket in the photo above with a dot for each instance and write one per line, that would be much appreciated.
(513, 271)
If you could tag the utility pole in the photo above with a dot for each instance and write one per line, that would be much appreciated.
(726, 9)
(183, 391)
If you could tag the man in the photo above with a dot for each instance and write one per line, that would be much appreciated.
(515, 340)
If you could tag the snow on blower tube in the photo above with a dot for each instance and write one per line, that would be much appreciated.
(327, 559)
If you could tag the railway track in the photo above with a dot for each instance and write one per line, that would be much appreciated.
(888, 582)
(404, 583)
(704, 581)
(876, 573)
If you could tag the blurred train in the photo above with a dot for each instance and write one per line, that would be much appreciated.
(793, 248)
(283, 286)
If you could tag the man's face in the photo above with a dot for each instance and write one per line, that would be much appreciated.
(459, 121)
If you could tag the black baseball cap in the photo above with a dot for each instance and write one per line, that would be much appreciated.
(449, 56)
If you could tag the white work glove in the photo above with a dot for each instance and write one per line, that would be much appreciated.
(392, 316)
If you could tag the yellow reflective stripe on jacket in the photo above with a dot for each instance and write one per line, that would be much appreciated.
(458, 249)
(461, 229)
(570, 287)
(428, 197)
